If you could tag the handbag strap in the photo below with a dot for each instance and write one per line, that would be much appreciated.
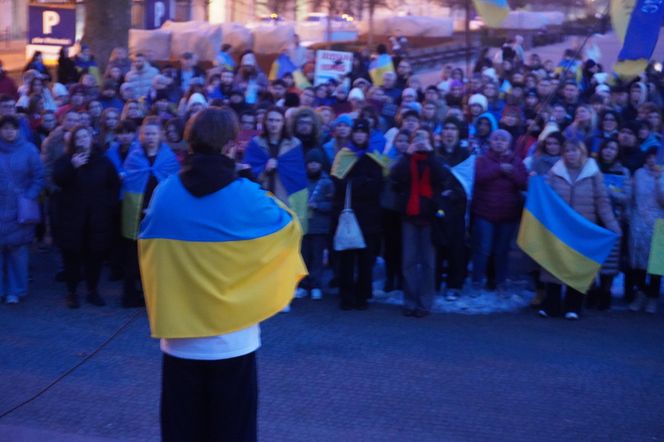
(348, 195)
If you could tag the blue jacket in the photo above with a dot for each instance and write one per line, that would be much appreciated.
(321, 194)
(21, 175)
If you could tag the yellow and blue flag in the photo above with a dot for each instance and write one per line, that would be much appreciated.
(378, 67)
(346, 158)
(291, 174)
(640, 35)
(560, 239)
(284, 65)
(138, 170)
(493, 12)
(219, 263)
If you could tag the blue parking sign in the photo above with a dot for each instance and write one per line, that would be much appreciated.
(51, 25)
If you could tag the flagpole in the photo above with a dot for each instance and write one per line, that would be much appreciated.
(467, 4)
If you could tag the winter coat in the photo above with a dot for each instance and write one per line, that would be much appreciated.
(21, 175)
(67, 72)
(497, 195)
(141, 80)
(454, 201)
(541, 164)
(401, 177)
(87, 201)
(618, 184)
(647, 207)
(321, 195)
(366, 178)
(587, 195)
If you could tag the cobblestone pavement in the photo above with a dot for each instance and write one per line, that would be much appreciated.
(328, 375)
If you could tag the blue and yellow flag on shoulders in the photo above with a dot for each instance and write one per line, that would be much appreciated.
(493, 12)
(346, 158)
(137, 174)
(290, 177)
(284, 65)
(637, 24)
(219, 263)
(378, 67)
(560, 239)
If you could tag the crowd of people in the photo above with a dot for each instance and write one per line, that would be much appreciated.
(435, 174)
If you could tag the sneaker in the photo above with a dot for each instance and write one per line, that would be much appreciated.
(301, 293)
(651, 306)
(639, 303)
(542, 314)
(286, 309)
(451, 295)
(11, 299)
(572, 316)
(316, 294)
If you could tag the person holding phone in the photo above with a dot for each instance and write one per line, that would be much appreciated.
(87, 200)
(418, 178)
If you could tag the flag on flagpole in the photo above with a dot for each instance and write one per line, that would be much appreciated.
(493, 12)
(640, 38)
(560, 239)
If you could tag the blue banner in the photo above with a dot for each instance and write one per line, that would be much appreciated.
(51, 25)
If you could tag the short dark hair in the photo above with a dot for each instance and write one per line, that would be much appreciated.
(10, 119)
(211, 129)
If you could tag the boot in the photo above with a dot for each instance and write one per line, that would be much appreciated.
(72, 301)
(94, 299)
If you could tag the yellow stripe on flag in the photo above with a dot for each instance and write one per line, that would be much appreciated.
(559, 259)
(230, 285)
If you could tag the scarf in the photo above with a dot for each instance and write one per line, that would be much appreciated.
(420, 185)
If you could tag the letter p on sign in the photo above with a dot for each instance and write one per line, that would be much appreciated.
(49, 20)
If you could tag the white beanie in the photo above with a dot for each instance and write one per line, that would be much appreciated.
(59, 90)
(480, 100)
(491, 73)
(356, 94)
(196, 98)
(248, 60)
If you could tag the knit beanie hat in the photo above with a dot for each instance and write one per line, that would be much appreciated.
(480, 100)
(196, 98)
(356, 94)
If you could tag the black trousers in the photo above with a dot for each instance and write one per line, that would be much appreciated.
(392, 246)
(132, 274)
(88, 263)
(356, 292)
(209, 400)
(651, 288)
(313, 247)
(552, 303)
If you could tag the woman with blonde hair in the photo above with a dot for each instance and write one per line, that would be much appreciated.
(578, 180)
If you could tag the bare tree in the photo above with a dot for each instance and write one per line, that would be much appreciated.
(106, 26)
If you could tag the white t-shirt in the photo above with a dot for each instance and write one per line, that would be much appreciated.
(230, 345)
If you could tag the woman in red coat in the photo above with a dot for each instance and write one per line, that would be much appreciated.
(500, 176)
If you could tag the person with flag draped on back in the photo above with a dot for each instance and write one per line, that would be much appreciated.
(145, 167)
(362, 170)
(277, 160)
(218, 255)
(578, 181)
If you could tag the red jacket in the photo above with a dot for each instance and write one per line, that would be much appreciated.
(497, 194)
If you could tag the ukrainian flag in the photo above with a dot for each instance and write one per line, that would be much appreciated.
(560, 239)
(137, 174)
(638, 27)
(219, 263)
(291, 173)
(346, 159)
(379, 66)
(493, 12)
(284, 65)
